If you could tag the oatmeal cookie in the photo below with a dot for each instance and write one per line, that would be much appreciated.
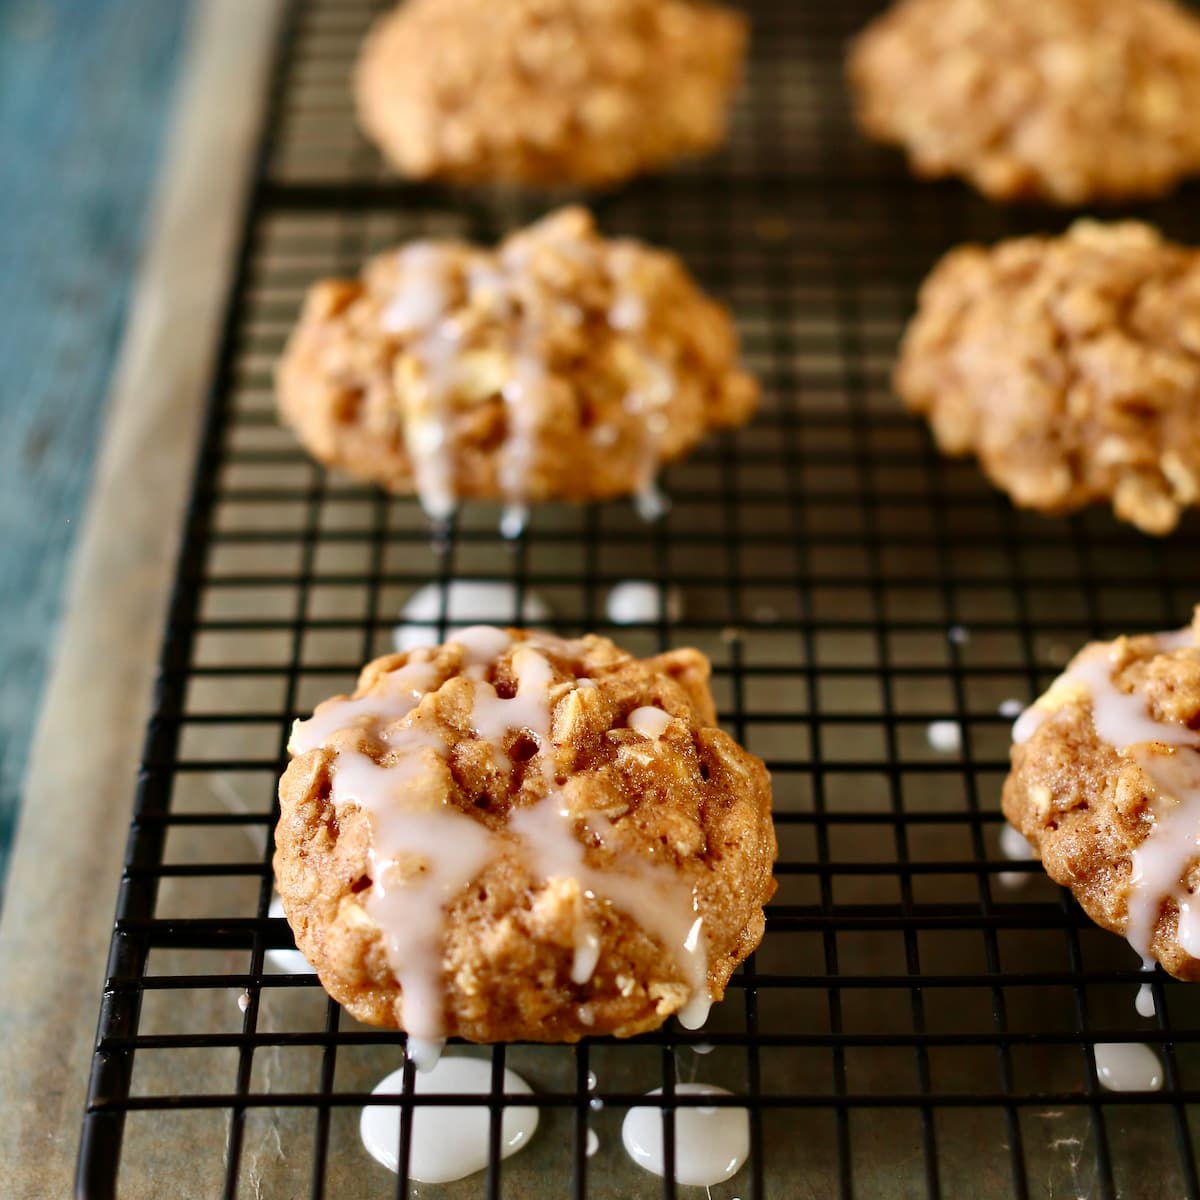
(1067, 100)
(547, 91)
(1105, 785)
(1069, 365)
(514, 836)
(560, 365)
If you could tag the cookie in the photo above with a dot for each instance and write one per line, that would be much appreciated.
(1066, 100)
(515, 836)
(547, 91)
(1105, 785)
(558, 366)
(1069, 365)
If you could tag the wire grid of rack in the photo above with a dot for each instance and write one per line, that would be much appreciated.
(914, 1022)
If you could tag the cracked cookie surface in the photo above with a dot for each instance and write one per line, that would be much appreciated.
(516, 836)
(1070, 100)
(560, 365)
(1070, 366)
(547, 91)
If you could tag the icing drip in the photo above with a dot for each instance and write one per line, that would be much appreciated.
(1124, 721)
(650, 894)
(421, 858)
(401, 694)
(1161, 859)
(417, 310)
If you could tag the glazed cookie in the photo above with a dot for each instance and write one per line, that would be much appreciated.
(513, 836)
(1068, 100)
(547, 91)
(1105, 785)
(1069, 365)
(560, 365)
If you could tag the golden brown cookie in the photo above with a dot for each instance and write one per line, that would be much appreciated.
(1068, 100)
(514, 836)
(1069, 365)
(559, 365)
(1105, 785)
(547, 91)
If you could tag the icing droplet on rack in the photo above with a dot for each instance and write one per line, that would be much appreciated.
(417, 312)
(959, 635)
(651, 895)
(944, 736)
(1144, 1002)
(1128, 1067)
(465, 602)
(448, 1142)
(640, 602)
(1015, 848)
(1011, 707)
(593, 1143)
(243, 1001)
(711, 1142)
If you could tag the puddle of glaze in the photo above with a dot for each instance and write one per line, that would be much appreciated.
(710, 1143)
(1128, 1067)
(448, 1142)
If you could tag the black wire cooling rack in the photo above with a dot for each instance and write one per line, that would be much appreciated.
(913, 1024)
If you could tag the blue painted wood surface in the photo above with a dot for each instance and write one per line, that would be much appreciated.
(85, 90)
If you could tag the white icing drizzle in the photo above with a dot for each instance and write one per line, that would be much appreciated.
(1144, 1003)
(422, 854)
(711, 1143)
(401, 693)
(1169, 754)
(1163, 856)
(650, 721)
(418, 311)
(529, 709)
(1128, 1067)
(448, 1141)
(421, 858)
(652, 895)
